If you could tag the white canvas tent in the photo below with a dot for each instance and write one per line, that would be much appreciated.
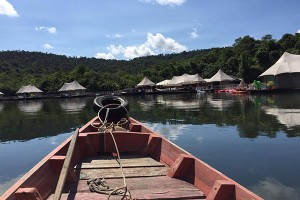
(221, 76)
(73, 86)
(287, 63)
(285, 73)
(145, 83)
(185, 79)
(163, 83)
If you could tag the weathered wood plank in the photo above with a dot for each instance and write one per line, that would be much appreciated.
(161, 187)
(128, 172)
(140, 183)
(140, 194)
(113, 163)
(65, 168)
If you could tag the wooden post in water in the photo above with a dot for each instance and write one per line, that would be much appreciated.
(65, 168)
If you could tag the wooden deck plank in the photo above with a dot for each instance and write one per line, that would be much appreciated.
(126, 162)
(135, 194)
(128, 172)
(145, 177)
(162, 187)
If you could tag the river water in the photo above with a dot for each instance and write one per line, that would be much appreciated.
(253, 139)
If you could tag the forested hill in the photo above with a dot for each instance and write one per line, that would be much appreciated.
(246, 58)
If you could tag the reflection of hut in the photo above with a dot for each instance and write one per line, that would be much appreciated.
(72, 89)
(29, 91)
(30, 107)
(193, 103)
(220, 103)
(73, 104)
(287, 117)
(1, 106)
(285, 73)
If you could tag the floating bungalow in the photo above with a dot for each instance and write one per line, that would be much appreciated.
(145, 83)
(73, 89)
(284, 74)
(221, 80)
(1, 95)
(145, 86)
(29, 91)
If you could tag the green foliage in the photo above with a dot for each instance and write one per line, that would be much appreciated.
(246, 58)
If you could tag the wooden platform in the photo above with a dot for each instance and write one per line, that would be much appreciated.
(145, 177)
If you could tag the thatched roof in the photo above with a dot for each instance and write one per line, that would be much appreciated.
(73, 86)
(28, 89)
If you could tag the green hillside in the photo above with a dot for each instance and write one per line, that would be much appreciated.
(246, 58)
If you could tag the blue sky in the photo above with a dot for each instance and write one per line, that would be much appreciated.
(125, 29)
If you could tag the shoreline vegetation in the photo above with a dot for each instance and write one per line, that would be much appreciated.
(247, 58)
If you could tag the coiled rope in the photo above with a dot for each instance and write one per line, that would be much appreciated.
(99, 185)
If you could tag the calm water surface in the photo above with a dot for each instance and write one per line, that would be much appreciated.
(254, 140)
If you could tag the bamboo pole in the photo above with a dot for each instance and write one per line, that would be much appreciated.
(65, 168)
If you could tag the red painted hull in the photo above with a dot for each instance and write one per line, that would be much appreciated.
(40, 182)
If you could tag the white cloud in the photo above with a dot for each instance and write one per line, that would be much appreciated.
(160, 42)
(194, 34)
(137, 51)
(271, 188)
(51, 30)
(7, 9)
(107, 56)
(298, 31)
(131, 52)
(48, 46)
(154, 44)
(165, 2)
(115, 36)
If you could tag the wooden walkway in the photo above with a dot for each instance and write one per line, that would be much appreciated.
(145, 178)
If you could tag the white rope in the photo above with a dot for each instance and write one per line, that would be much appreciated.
(108, 128)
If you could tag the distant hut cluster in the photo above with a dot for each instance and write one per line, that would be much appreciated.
(284, 74)
(187, 81)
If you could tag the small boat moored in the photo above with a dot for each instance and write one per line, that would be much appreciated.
(114, 156)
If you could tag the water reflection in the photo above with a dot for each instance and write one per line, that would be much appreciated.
(183, 103)
(1, 106)
(25, 120)
(30, 107)
(220, 104)
(271, 188)
(73, 104)
(169, 131)
(287, 117)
